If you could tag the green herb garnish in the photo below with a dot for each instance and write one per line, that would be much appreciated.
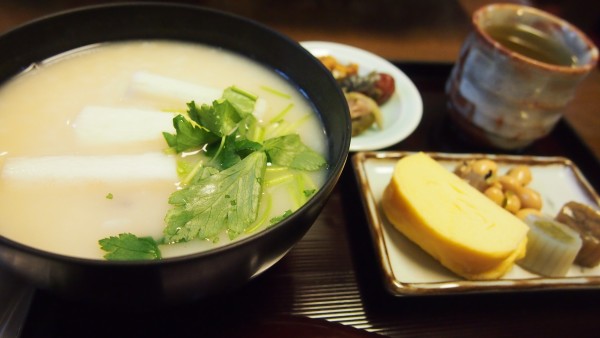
(280, 218)
(127, 247)
(221, 191)
(289, 151)
(309, 192)
(228, 201)
(188, 135)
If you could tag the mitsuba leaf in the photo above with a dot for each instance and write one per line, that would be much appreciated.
(231, 150)
(221, 118)
(226, 156)
(193, 111)
(241, 100)
(228, 200)
(203, 173)
(289, 151)
(249, 136)
(281, 217)
(250, 129)
(208, 123)
(222, 190)
(309, 192)
(246, 147)
(188, 135)
(127, 247)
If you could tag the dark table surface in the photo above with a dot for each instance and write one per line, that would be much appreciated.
(330, 282)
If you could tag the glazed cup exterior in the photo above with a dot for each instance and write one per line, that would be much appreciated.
(506, 100)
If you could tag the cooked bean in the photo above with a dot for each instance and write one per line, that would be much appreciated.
(530, 198)
(522, 173)
(510, 183)
(513, 204)
(485, 168)
(495, 194)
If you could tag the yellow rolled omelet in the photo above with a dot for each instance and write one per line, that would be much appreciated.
(452, 221)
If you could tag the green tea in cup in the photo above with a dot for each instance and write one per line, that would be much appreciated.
(533, 43)
(516, 72)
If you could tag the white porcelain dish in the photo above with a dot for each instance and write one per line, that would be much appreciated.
(408, 270)
(401, 114)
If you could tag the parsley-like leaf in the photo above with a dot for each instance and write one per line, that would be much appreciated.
(201, 174)
(280, 218)
(223, 190)
(127, 247)
(241, 100)
(225, 155)
(207, 123)
(246, 147)
(221, 118)
(309, 192)
(250, 129)
(188, 136)
(227, 200)
(289, 151)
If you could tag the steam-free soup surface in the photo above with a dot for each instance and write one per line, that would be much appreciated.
(68, 212)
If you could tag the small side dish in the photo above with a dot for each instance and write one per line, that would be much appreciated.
(364, 93)
(410, 270)
(400, 110)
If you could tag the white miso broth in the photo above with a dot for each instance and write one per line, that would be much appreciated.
(78, 164)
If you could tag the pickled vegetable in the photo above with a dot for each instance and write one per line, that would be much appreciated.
(364, 93)
(378, 86)
(586, 221)
(551, 247)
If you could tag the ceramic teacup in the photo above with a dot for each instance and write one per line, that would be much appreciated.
(517, 71)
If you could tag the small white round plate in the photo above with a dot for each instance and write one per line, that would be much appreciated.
(401, 114)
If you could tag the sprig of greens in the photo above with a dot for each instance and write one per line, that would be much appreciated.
(281, 217)
(127, 247)
(188, 135)
(289, 151)
(228, 201)
(222, 191)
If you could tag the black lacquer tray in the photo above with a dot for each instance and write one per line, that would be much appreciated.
(332, 275)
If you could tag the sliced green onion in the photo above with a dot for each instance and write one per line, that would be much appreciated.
(282, 114)
(293, 126)
(279, 180)
(276, 92)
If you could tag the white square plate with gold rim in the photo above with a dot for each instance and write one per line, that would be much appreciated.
(408, 270)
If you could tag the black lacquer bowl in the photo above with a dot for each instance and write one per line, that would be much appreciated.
(205, 274)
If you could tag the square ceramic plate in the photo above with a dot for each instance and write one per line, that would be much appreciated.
(408, 270)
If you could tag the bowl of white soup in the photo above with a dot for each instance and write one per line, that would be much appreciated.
(154, 153)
